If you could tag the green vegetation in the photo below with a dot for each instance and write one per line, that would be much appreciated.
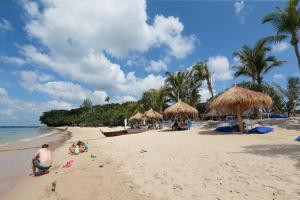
(254, 62)
(99, 115)
(202, 73)
(292, 94)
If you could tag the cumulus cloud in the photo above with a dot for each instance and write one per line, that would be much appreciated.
(82, 54)
(205, 94)
(136, 86)
(5, 25)
(16, 111)
(167, 31)
(156, 66)
(219, 68)
(61, 90)
(281, 46)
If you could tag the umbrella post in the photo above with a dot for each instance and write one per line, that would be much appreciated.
(239, 116)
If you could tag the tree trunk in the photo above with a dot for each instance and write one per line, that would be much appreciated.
(210, 87)
(297, 53)
(240, 120)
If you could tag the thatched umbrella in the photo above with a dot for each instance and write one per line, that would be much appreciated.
(181, 109)
(238, 99)
(152, 115)
(137, 116)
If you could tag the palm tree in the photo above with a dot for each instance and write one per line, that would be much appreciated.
(162, 98)
(176, 84)
(292, 93)
(193, 84)
(202, 73)
(287, 23)
(155, 98)
(254, 62)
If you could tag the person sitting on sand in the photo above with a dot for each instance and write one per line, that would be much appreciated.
(42, 160)
(78, 147)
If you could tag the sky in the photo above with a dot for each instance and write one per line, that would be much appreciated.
(56, 53)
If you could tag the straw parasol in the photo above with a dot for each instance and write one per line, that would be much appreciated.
(181, 108)
(137, 116)
(238, 99)
(152, 115)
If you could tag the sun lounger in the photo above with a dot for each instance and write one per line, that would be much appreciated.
(279, 116)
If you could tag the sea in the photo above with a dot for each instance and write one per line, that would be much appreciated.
(12, 134)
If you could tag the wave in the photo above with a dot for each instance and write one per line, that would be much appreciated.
(50, 132)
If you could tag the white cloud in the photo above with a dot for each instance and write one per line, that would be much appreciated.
(219, 68)
(279, 47)
(65, 91)
(81, 54)
(13, 60)
(136, 86)
(16, 111)
(238, 6)
(242, 11)
(278, 77)
(31, 7)
(205, 94)
(167, 30)
(5, 25)
(157, 66)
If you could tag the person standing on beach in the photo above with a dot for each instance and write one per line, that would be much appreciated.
(42, 160)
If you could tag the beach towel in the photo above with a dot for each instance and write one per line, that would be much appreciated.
(68, 164)
(279, 116)
(261, 130)
(298, 139)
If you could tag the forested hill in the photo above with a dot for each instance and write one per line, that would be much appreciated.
(88, 115)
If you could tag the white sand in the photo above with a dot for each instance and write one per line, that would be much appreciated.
(195, 164)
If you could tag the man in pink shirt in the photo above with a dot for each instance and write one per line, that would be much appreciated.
(42, 160)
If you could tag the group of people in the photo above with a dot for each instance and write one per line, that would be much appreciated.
(42, 160)
(78, 147)
(181, 124)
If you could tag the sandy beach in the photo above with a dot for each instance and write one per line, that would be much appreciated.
(193, 164)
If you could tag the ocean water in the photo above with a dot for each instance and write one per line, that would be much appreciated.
(11, 134)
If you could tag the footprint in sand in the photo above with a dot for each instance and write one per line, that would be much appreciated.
(177, 188)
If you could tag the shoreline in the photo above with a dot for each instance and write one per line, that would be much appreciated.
(105, 172)
(15, 157)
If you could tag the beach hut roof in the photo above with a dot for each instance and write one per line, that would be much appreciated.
(238, 99)
(137, 116)
(151, 114)
(243, 97)
(181, 108)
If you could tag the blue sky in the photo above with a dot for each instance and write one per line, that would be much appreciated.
(54, 54)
